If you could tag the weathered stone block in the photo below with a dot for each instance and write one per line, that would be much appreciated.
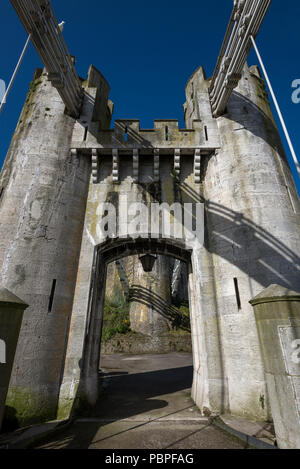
(11, 315)
(277, 313)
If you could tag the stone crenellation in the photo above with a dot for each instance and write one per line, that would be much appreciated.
(128, 135)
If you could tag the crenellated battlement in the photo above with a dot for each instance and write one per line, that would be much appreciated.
(166, 134)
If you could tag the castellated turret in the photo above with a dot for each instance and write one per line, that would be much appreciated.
(252, 232)
(44, 189)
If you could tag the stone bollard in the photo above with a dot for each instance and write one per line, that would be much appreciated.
(277, 314)
(11, 315)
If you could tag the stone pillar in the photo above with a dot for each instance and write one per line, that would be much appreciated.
(151, 298)
(11, 315)
(277, 314)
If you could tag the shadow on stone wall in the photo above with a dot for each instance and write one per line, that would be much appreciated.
(271, 260)
(148, 298)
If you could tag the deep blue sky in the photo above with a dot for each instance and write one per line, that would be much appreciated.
(147, 51)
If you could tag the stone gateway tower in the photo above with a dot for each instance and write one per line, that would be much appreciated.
(61, 169)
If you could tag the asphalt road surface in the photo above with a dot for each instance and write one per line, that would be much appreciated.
(144, 403)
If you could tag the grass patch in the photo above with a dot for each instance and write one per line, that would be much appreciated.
(182, 319)
(116, 316)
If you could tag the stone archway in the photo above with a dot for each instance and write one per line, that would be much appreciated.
(80, 380)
